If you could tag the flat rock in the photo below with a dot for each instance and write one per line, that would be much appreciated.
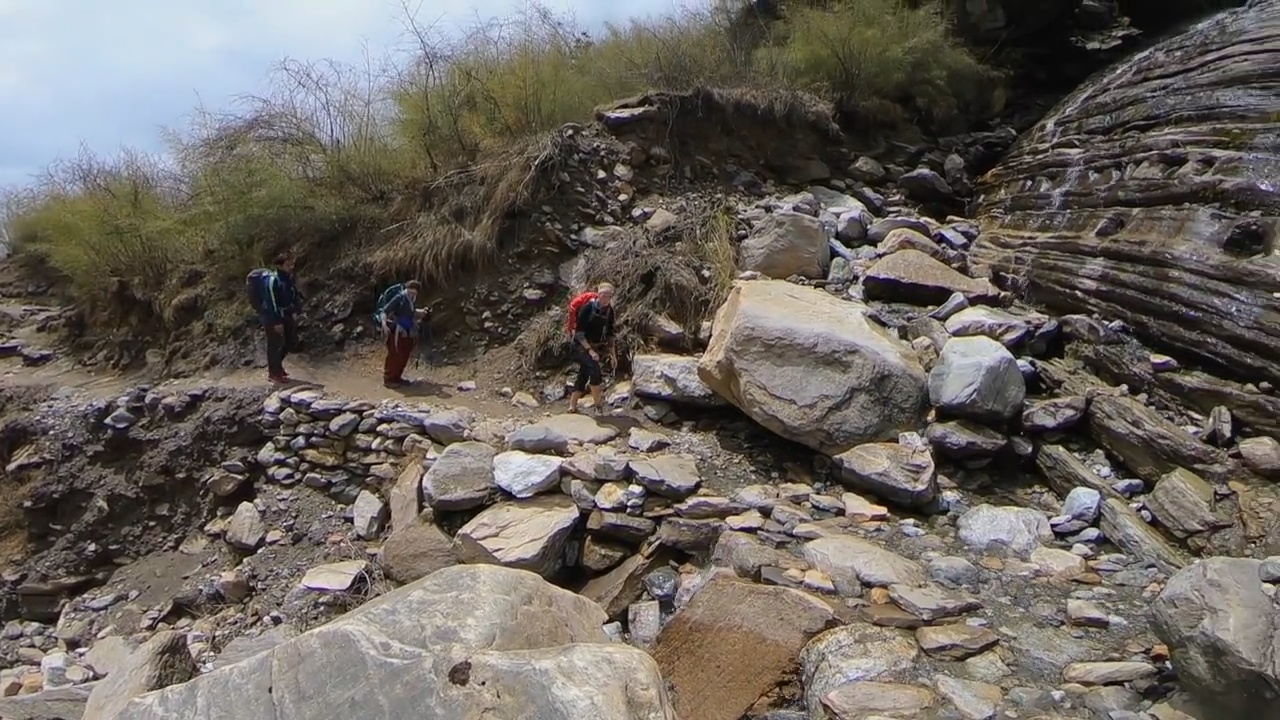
(368, 515)
(526, 534)
(911, 276)
(405, 498)
(1128, 531)
(746, 555)
(1261, 455)
(852, 562)
(1184, 504)
(623, 585)
(1002, 326)
(672, 475)
(811, 367)
(708, 506)
(1107, 673)
(335, 577)
(931, 602)
(964, 440)
(955, 641)
(876, 699)
(733, 642)
(558, 432)
(973, 700)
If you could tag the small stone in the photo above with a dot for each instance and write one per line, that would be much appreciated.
(1107, 673)
(245, 530)
(368, 514)
(1086, 614)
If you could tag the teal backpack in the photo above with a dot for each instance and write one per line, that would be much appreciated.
(384, 300)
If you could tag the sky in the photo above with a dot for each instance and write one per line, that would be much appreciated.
(108, 75)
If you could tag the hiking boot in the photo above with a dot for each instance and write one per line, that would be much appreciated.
(278, 379)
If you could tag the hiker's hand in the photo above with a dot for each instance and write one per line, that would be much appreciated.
(594, 355)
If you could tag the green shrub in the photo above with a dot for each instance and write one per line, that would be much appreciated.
(881, 55)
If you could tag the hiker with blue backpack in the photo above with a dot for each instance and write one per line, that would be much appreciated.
(274, 297)
(398, 316)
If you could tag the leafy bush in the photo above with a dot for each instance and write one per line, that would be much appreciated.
(337, 159)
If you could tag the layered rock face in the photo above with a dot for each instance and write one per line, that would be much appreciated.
(1151, 195)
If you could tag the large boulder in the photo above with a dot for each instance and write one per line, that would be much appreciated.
(786, 243)
(1149, 196)
(735, 641)
(811, 367)
(1223, 636)
(465, 642)
(976, 377)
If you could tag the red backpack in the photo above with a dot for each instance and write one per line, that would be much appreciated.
(574, 306)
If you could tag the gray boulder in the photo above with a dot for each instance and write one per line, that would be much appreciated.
(1223, 637)
(465, 642)
(977, 378)
(811, 367)
(673, 378)
(784, 244)
(461, 478)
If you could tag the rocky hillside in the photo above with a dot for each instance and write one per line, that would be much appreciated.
(872, 458)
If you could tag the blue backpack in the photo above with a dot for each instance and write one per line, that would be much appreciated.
(257, 286)
(386, 298)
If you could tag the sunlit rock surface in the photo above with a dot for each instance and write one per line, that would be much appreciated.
(1151, 195)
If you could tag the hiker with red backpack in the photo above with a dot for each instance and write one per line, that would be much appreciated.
(591, 328)
(397, 316)
(275, 298)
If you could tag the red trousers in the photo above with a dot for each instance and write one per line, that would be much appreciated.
(399, 351)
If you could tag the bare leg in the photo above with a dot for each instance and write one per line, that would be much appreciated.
(574, 397)
(596, 392)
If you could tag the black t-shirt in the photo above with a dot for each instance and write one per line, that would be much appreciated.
(595, 323)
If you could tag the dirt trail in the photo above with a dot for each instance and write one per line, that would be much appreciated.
(358, 375)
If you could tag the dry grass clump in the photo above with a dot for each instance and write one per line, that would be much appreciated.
(683, 275)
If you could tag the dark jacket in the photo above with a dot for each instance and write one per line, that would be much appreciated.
(594, 324)
(281, 298)
(400, 311)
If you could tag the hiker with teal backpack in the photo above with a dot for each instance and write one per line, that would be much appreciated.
(274, 298)
(397, 316)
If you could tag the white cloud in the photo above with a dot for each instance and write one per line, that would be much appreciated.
(112, 74)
